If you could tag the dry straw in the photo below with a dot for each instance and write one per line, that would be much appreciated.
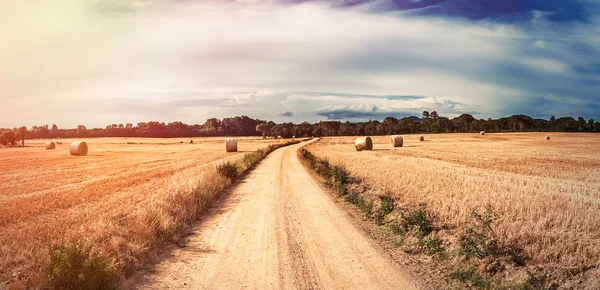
(231, 145)
(79, 148)
(421, 138)
(363, 143)
(50, 145)
(396, 141)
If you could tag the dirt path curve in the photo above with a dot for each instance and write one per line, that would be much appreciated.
(277, 230)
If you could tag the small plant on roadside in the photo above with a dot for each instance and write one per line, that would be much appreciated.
(418, 221)
(386, 207)
(75, 266)
(228, 170)
(480, 241)
(431, 244)
(324, 168)
(340, 174)
(471, 277)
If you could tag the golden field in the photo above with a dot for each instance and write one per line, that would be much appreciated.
(116, 197)
(547, 192)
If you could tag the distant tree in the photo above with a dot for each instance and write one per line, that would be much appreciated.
(81, 131)
(426, 115)
(434, 115)
(263, 128)
(582, 124)
(7, 138)
(21, 134)
(590, 125)
(390, 125)
(54, 131)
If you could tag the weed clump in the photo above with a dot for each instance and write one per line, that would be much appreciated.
(387, 205)
(417, 220)
(228, 170)
(75, 266)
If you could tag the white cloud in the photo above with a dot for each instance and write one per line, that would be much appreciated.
(75, 63)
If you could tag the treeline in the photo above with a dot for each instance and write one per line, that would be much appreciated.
(246, 126)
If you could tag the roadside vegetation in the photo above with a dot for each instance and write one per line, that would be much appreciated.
(103, 230)
(479, 257)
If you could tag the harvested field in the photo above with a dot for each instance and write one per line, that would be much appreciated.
(49, 195)
(547, 192)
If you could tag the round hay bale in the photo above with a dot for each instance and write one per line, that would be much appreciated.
(191, 141)
(396, 141)
(482, 133)
(79, 148)
(363, 143)
(547, 137)
(231, 145)
(50, 145)
(421, 138)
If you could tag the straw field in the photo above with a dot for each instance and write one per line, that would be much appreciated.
(546, 191)
(106, 197)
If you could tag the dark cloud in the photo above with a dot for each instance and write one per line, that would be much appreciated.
(358, 112)
(287, 114)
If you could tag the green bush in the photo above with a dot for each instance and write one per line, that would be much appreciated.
(417, 220)
(75, 266)
(469, 276)
(386, 207)
(340, 175)
(479, 241)
(431, 244)
(228, 170)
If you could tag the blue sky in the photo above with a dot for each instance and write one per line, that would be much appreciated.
(94, 62)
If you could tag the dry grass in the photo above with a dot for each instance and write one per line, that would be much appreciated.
(548, 192)
(123, 198)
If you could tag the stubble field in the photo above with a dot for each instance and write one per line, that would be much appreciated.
(110, 198)
(547, 192)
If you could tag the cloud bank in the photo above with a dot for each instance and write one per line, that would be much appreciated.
(95, 63)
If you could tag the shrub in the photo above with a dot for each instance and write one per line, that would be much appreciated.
(340, 175)
(418, 221)
(480, 241)
(75, 266)
(431, 244)
(386, 207)
(469, 276)
(228, 170)
(324, 169)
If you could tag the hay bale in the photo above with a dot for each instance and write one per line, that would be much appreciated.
(231, 145)
(421, 138)
(547, 137)
(363, 143)
(191, 141)
(50, 145)
(482, 133)
(396, 141)
(79, 148)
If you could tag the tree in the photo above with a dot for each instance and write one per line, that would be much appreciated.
(20, 134)
(426, 115)
(54, 131)
(581, 122)
(263, 129)
(7, 138)
(81, 130)
(390, 125)
(434, 115)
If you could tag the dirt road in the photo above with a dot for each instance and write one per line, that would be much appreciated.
(277, 230)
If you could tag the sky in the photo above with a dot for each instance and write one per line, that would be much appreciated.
(99, 62)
